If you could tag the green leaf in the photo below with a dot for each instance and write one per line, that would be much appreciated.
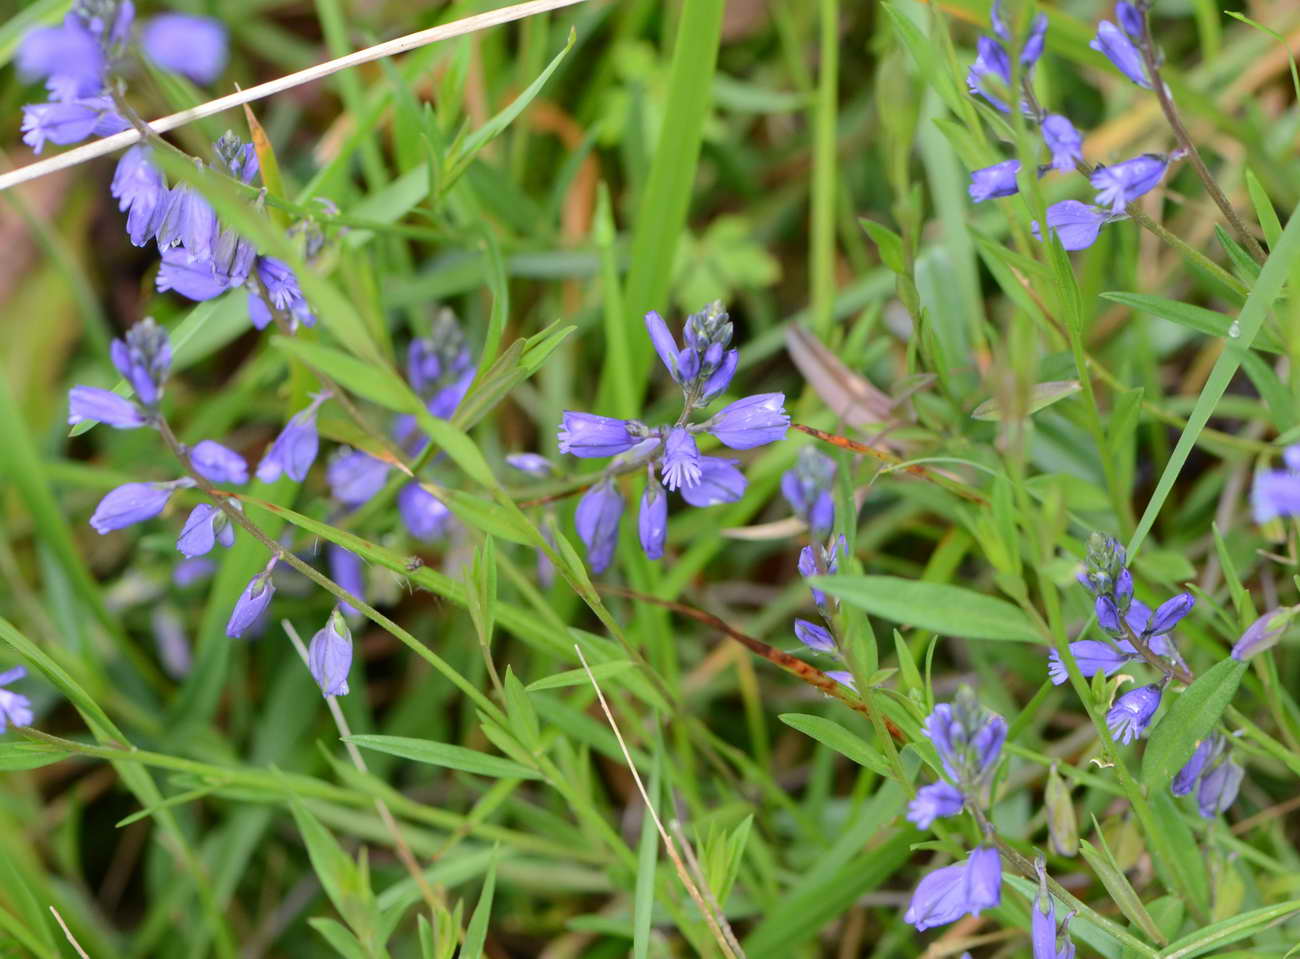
(1041, 395)
(463, 152)
(1117, 884)
(1229, 930)
(1190, 719)
(578, 677)
(938, 607)
(376, 383)
(832, 734)
(20, 755)
(1196, 318)
(445, 755)
(476, 933)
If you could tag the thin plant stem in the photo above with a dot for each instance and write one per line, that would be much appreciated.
(404, 852)
(1152, 63)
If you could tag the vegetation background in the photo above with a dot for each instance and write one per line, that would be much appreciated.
(675, 153)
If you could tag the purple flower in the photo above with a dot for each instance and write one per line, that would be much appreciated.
(991, 62)
(206, 526)
(1130, 20)
(1063, 141)
(63, 122)
(816, 638)
(1092, 657)
(188, 220)
(1033, 48)
(1076, 224)
(192, 46)
(1121, 184)
(1107, 614)
(818, 561)
(1043, 932)
(1275, 493)
(1129, 717)
(91, 404)
(190, 571)
(329, 657)
(1219, 788)
(652, 520)
(346, 570)
(15, 708)
(807, 488)
(294, 450)
(531, 463)
(192, 278)
(232, 256)
(1167, 616)
(133, 503)
(1263, 633)
(1185, 781)
(935, 801)
(720, 482)
(69, 51)
(141, 193)
(753, 421)
(252, 602)
(144, 358)
(217, 463)
(424, 515)
(169, 639)
(962, 889)
(994, 181)
(281, 285)
(1120, 51)
(704, 365)
(969, 740)
(355, 477)
(589, 435)
(843, 677)
(721, 376)
(681, 463)
(596, 520)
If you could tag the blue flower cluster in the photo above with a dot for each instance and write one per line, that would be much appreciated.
(809, 488)
(1076, 224)
(201, 258)
(1276, 493)
(703, 368)
(819, 560)
(968, 739)
(440, 368)
(78, 59)
(1126, 622)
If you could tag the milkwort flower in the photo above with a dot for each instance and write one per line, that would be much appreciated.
(1122, 184)
(818, 560)
(652, 518)
(424, 515)
(703, 367)
(1264, 633)
(141, 193)
(194, 47)
(207, 525)
(1219, 776)
(347, 571)
(294, 450)
(440, 366)
(596, 520)
(134, 503)
(962, 889)
(217, 463)
(994, 181)
(1276, 493)
(252, 602)
(355, 476)
(990, 75)
(144, 358)
(1044, 935)
(91, 404)
(15, 708)
(279, 283)
(1064, 142)
(808, 488)
(1120, 46)
(968, 739)
(1131, 713)
(329, 657)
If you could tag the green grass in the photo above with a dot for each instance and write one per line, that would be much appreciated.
(549, 182)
